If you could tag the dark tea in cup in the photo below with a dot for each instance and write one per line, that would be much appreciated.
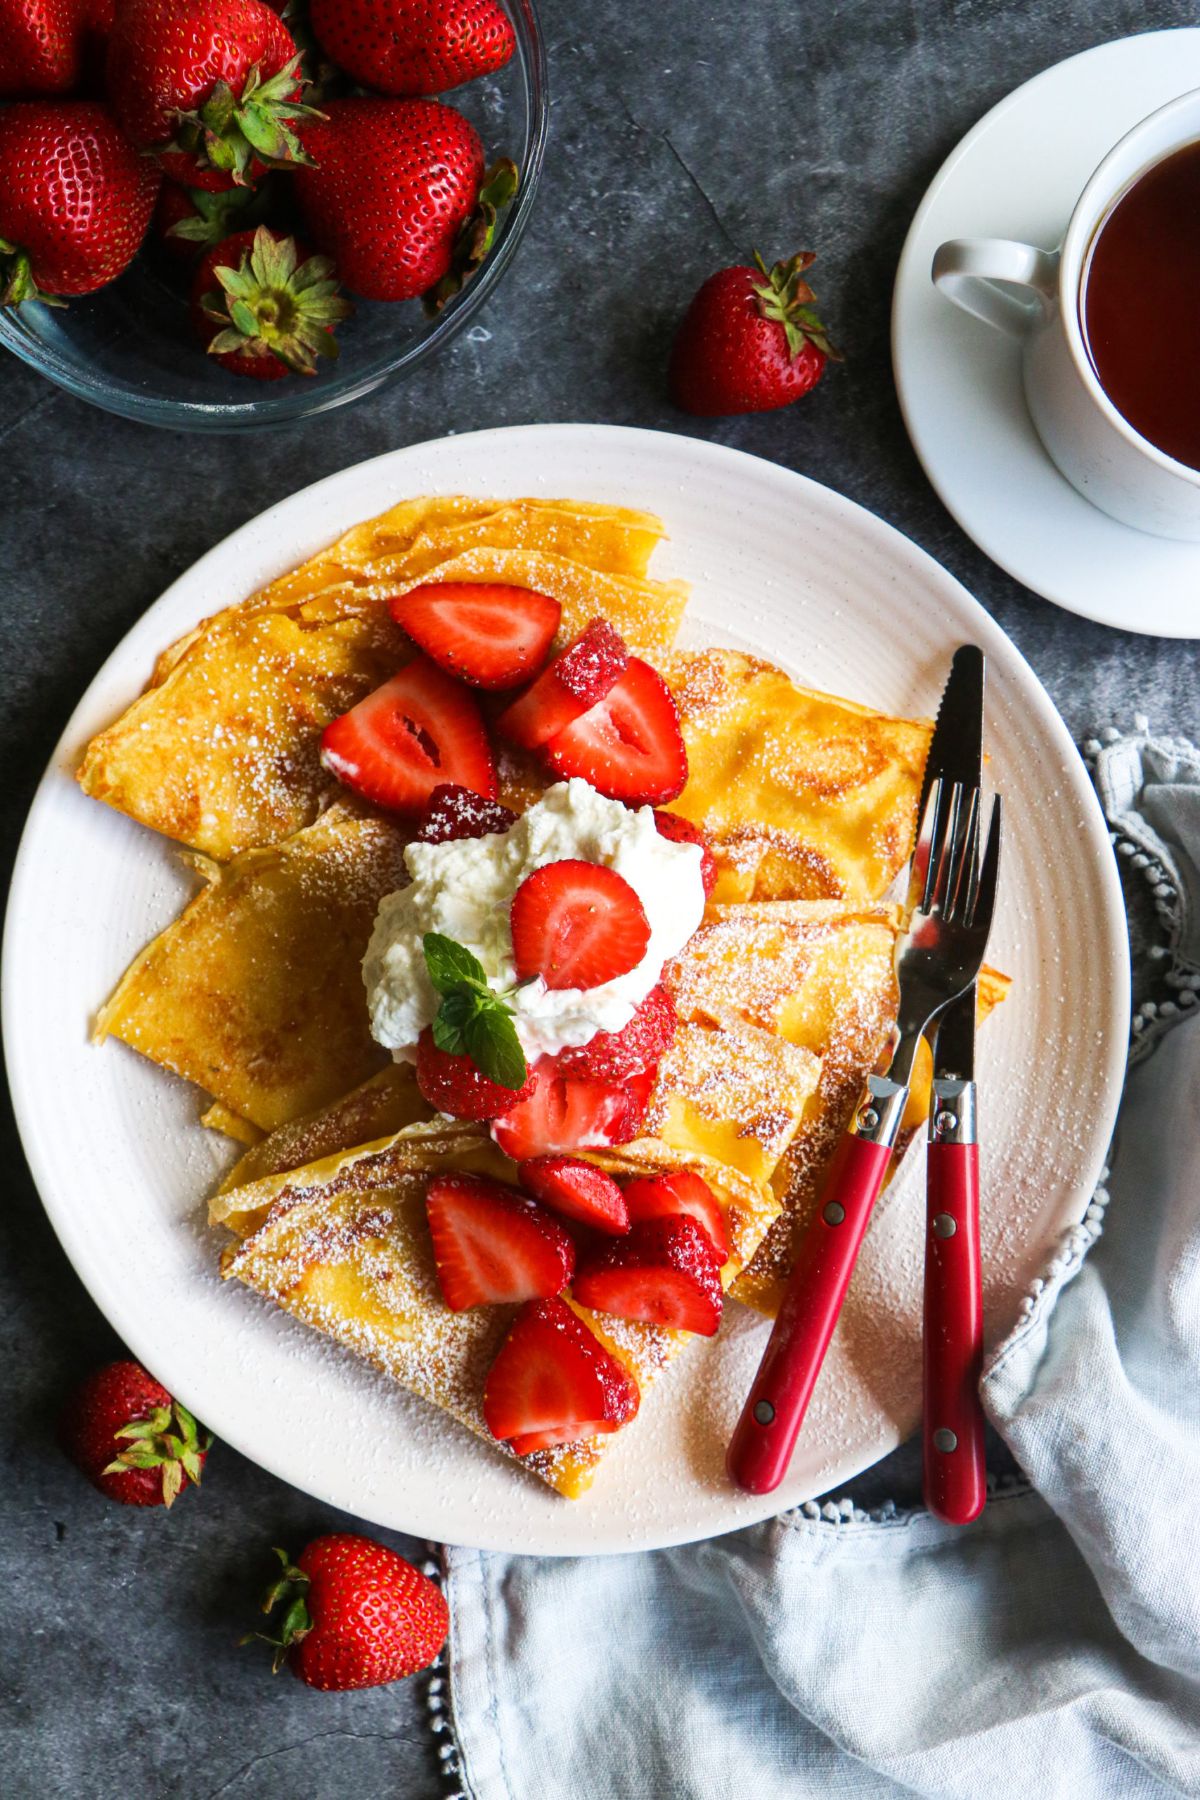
(1139, 304)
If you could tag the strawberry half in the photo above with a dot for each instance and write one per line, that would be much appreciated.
(416, 732)
(577, 924)
(675, 1195)
(615, 1055)
(577, 1190)
(487, 634)
(629, 745)
(575, 682)
(562, 1114)
(456, 812)
(492, 1246)
(682, 831)
(553, 1382)
(664, 1273)
(452, 1084)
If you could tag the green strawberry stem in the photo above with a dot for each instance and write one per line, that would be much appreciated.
(477, 234)
(168, 1438)
(229, 132)
(287, 1594)
(215, 216)
(273, 305)
(16, 279)
(785, 297)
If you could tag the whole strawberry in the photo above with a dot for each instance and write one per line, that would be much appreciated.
(398, 196)
(265, 307)
(414, 46)
(353, 1614)
(131, 1439)
(750, 341)
(41, 45)
(212, 85)
(75, 199)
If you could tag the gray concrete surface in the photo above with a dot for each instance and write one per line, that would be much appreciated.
(683, 135)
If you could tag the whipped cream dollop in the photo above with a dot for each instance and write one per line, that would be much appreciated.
(464, 889)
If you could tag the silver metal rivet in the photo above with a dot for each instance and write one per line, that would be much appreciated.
(834, 1213)
(946, 1121)
(764, 1412)
(944, 1440)
(868, 1118)
(944, 1225)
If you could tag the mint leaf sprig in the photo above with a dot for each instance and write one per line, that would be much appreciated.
(472, 1020)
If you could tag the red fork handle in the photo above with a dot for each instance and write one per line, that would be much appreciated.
(952, 1429)
(766, 1433)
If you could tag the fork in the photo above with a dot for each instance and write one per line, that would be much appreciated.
(951, 897)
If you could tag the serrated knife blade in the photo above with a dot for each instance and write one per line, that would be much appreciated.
(956, 754)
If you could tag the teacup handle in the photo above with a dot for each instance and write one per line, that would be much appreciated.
(969, 271)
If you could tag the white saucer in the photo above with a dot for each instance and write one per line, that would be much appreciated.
(1018, 174)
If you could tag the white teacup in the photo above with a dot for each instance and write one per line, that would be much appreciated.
(1096, 448)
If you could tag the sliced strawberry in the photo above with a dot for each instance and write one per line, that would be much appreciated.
(614, 1055)
(629, 745)
(664, 1273)
(456, 812)
(562, 1114)
(452, 1084)
(553, 1381)
(682, 831)
(417, 731)
(493, 1246)
(577, 1190)
(527, 1441)
(680, 1192)
(485, 633)
(572, 685)
(577, 924)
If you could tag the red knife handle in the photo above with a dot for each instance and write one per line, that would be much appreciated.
(952, 1430)
(766, 1433)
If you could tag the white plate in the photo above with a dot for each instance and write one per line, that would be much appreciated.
(1018, 174)
(779, 565)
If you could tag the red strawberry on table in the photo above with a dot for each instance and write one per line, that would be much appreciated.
(489, 635)
(616, 1055)
(493, 1246)
(577, 924)
(398, 196)
(455, 812)
(553, 1382)
(561, 1113)
(677, 1192)
(630, 745)
(577, 1190)
(682, 831)
(41, 43)
(75, 199)
(414, 46)
(750, 340)
(418, 731)
(213, 86)
(665, 1272)
(264, 307)
(353, 1614)
(452, 1083)
(573, 684)
(131, 1439)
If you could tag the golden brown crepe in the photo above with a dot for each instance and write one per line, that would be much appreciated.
(804, 796)
(343, 1245)
(222, 750)
(255, 992)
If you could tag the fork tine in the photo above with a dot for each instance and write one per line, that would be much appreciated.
(983, 905)
(923, 859)
(945, 849)
(966, 862)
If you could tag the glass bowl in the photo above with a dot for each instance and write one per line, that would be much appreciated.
(131, 348)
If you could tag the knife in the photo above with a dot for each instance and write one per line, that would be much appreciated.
(774, 1410)
(952, 1429)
